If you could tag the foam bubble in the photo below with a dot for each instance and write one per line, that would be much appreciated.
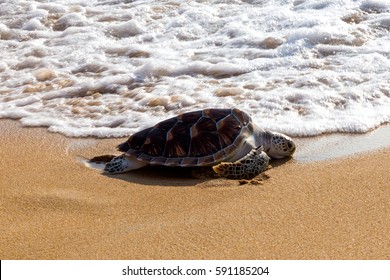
(375, 6)
(70, 20)
(33, 24)
(29, 62)
(3, 66)
(52, 8)
(44, 74)
(5, 32)
(127, 29)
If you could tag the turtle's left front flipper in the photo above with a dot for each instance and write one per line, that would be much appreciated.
(248, 167)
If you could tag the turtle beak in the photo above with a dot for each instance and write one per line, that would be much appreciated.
(292, 147)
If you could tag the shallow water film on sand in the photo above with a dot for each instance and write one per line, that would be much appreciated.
(108, 68)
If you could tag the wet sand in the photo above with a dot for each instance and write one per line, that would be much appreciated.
(54, 207)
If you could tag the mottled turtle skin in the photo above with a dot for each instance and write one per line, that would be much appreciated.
(251, 165)
(199, 138)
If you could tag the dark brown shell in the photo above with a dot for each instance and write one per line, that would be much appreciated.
(196, 138)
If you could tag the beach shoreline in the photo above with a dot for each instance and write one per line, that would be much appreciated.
(55, 207)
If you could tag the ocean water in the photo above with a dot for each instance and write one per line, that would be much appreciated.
(108, 68)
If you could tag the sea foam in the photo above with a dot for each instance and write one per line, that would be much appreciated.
(110, 68)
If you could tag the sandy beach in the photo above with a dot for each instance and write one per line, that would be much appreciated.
(55, 207)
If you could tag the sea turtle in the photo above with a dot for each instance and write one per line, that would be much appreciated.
(226, 139)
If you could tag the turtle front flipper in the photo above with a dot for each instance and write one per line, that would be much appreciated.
(251, 165)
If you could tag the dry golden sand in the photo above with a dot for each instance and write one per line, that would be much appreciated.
(54, 207)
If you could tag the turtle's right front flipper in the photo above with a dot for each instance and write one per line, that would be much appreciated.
(248, 167)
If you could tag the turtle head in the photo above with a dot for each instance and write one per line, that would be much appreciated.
(279, 145)
(122, 164)
(118, 164)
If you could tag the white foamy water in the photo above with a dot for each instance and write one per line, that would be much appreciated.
(108, 68)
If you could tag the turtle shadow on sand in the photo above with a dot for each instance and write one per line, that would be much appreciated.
(279, 162)
(154, 175)
(160, 176)
(179, 176)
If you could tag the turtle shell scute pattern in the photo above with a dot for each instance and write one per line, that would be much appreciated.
(196, 138)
